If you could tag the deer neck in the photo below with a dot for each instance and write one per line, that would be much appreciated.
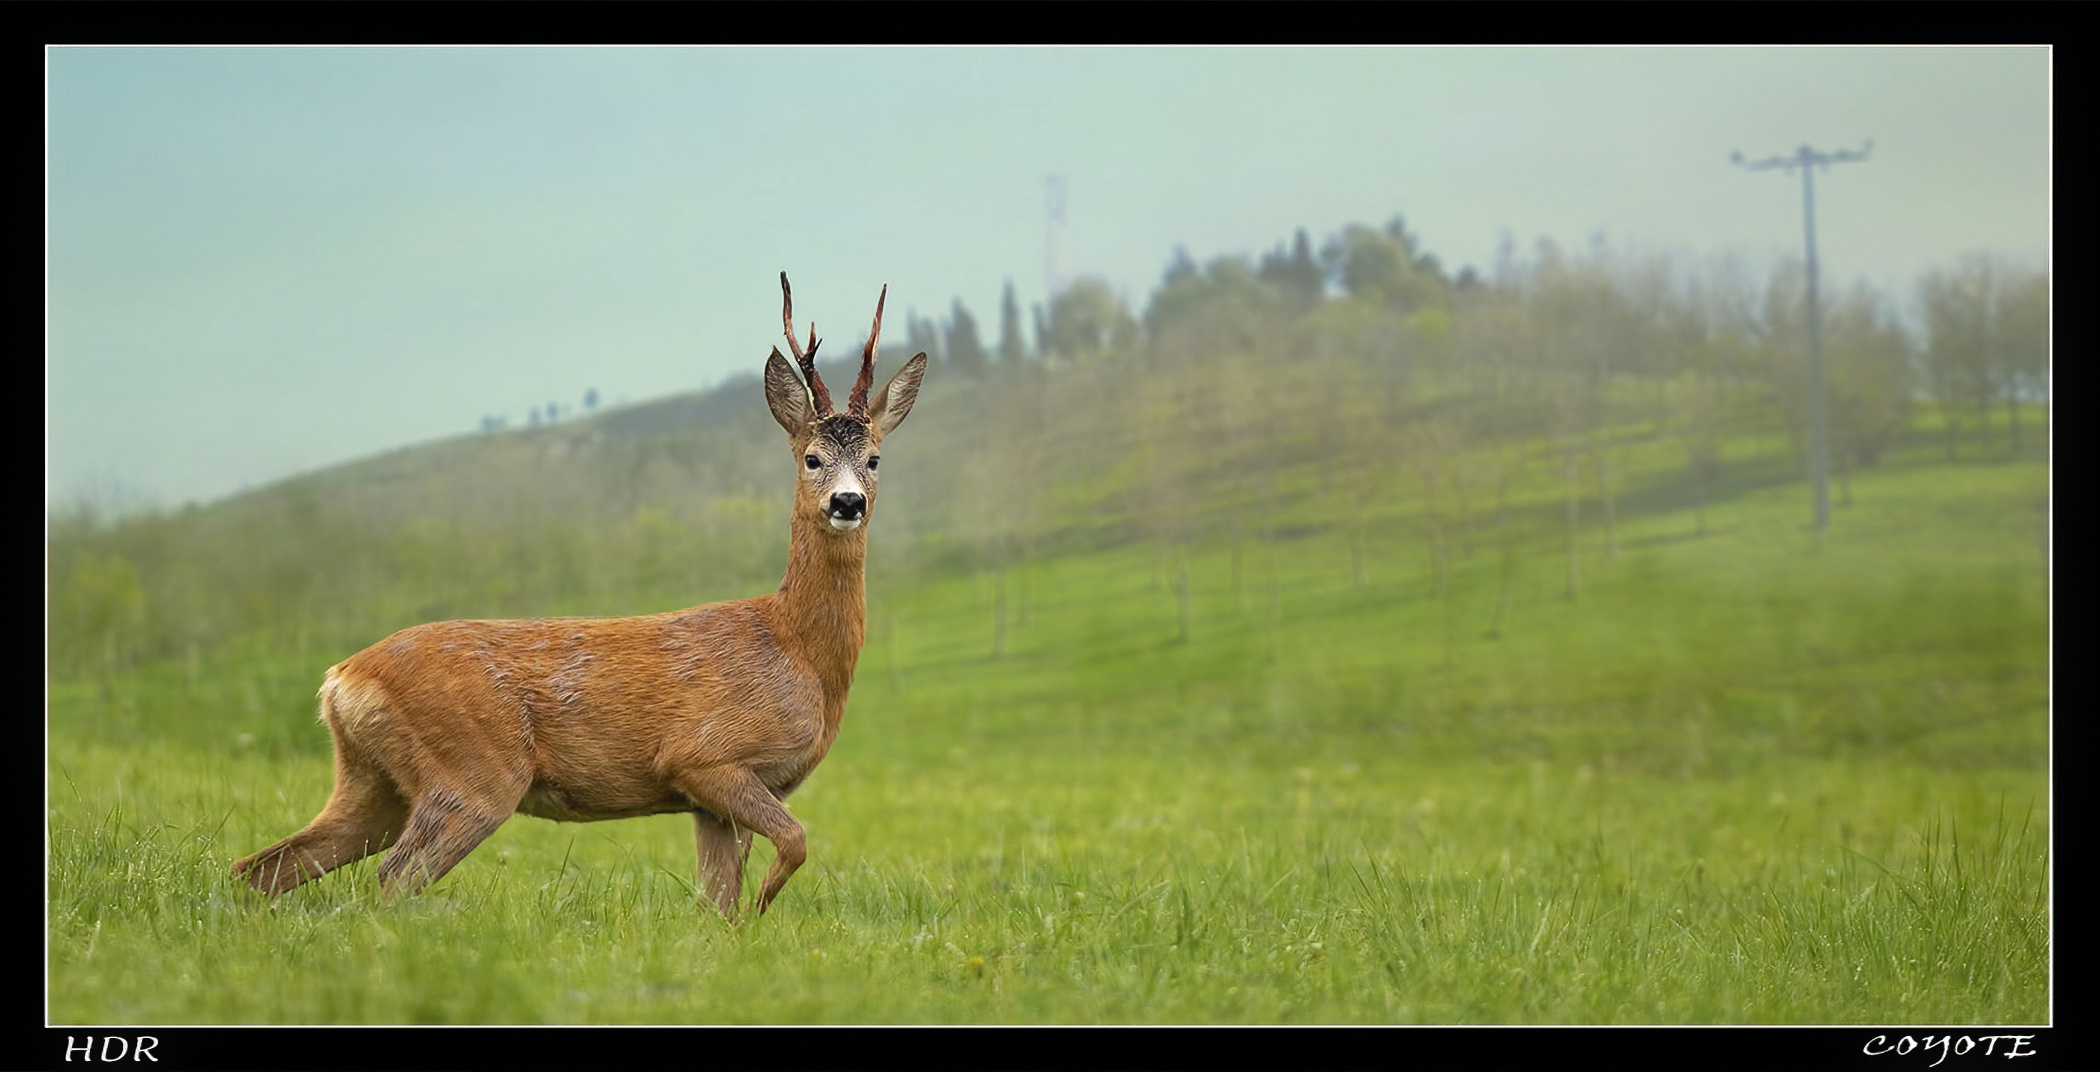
(824, 600)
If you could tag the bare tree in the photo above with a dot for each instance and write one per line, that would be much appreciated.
(1960, 308)
(1868, 368)
(2023, 333)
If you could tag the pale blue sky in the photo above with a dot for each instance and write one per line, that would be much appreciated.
(263, 261)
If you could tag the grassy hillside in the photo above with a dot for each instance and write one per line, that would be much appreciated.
(1735, 779)
(1307, 660)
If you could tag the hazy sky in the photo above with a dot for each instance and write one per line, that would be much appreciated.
(267, 260)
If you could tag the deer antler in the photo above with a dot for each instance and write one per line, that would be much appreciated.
(807, 359)
(857, 402)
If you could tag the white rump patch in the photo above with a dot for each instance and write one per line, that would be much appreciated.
(354, 700)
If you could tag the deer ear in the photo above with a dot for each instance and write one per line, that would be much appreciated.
(788, 395)
(891, 403)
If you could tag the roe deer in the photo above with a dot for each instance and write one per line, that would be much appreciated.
(443, 730)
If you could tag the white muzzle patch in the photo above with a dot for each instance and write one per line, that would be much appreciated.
(850, 487)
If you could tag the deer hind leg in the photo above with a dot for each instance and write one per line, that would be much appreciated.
(723, 848)
(443, 827)
(736, 795)
(364, 814)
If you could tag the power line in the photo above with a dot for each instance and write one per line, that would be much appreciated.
(1808, 160)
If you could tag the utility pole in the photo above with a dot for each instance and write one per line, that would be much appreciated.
(1808, 160)
(1054, 209)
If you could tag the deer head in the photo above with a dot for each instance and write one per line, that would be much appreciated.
(839, 452)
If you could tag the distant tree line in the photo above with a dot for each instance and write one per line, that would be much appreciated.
(1361, 359)
(1336, 386)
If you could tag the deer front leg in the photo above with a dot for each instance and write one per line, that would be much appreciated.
(723, 848)
(736, 795)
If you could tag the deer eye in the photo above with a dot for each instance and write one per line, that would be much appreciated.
(809, 461)
(874, 460)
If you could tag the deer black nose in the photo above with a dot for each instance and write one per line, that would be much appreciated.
(848, 505)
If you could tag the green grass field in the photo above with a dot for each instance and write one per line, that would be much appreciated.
(1741, 779)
